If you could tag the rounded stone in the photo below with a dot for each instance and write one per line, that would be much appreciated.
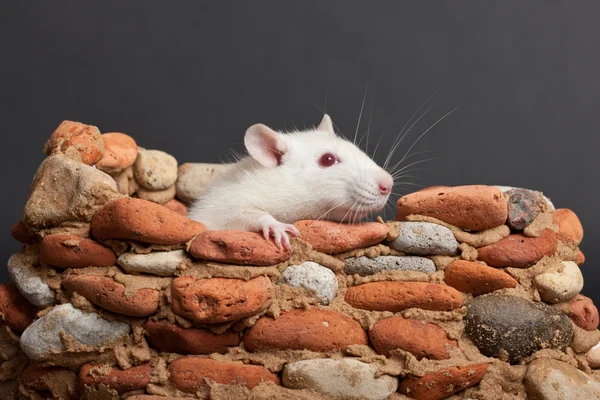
(505, 189)
(345, 378)
(548, 379)
(423, 340)
(189, 374)
(298, 329)
(15, 311)
(134, 378)
(155, 169)
(110, 295)
(64, 190)
(21, 233)
(569, 226)
(120, 152)
(217, 300)
(157, 196)
(368, 266)
(194, 178)
(425, 238)
(559, 286)
(313, 277)
(443, 383)
(593, 356)
(43, 337)
(519, 251)
(523, 206)
(584, 313)
(514, 328)
(172, 338)
(67, 251)
(399, 296)
(144, 221)
(77, 141)
(333, 237)
(161, 263)
(475, 207)
(237, 247)
(475, 278)
(177, 206)
(24, 272)
(580, 258)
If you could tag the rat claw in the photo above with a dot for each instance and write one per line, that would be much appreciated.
(293, 230)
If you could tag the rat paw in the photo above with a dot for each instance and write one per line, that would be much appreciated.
(279, 232)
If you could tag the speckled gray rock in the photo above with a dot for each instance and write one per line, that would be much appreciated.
(42, 337)
(548, 379)
(312, 276)
(155, 169)
(194, 178)
(162, 263)
(346, 378)
(22, 271)
(523, 206)
(559, 286)
(65, 190)
(368, 266)
(501, 325)
(505, 189)
(425, 238)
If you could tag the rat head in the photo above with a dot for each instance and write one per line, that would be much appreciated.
(333, 177)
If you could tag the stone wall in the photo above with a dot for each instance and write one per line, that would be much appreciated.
(472, 293)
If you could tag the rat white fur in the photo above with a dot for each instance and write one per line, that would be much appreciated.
(285, 180)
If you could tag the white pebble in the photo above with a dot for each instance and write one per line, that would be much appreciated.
(425, 238)
(42, 337)
(368, 266)
(162, 263)
(560, 286)
(312, 276)
(346, 378)
(27, 279)
(155, 169)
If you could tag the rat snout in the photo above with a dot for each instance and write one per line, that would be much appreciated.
(385, 184)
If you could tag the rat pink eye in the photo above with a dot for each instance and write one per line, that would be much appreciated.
(328, 159)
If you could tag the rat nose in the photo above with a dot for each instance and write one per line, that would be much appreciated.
(385, 188)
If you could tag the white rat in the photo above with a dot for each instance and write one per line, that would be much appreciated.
(311, 174)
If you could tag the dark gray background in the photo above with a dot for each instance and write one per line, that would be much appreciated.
(190, 77)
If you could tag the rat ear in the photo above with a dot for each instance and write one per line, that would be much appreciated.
(326, 125)
(265, 145)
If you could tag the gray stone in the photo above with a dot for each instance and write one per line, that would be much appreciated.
(425, 238)
(312, 276)
(505, 189)
(548, 379)
(162, 263)
(42, 337)
(64, 190)
(26, 276)
(512, 327)
(194, 178)
(560, 286)
(523, 206)
(155, 169)
(369, 266)
(346, 378)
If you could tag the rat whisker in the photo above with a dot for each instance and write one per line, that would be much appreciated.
(361, 111)
(400, 135)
